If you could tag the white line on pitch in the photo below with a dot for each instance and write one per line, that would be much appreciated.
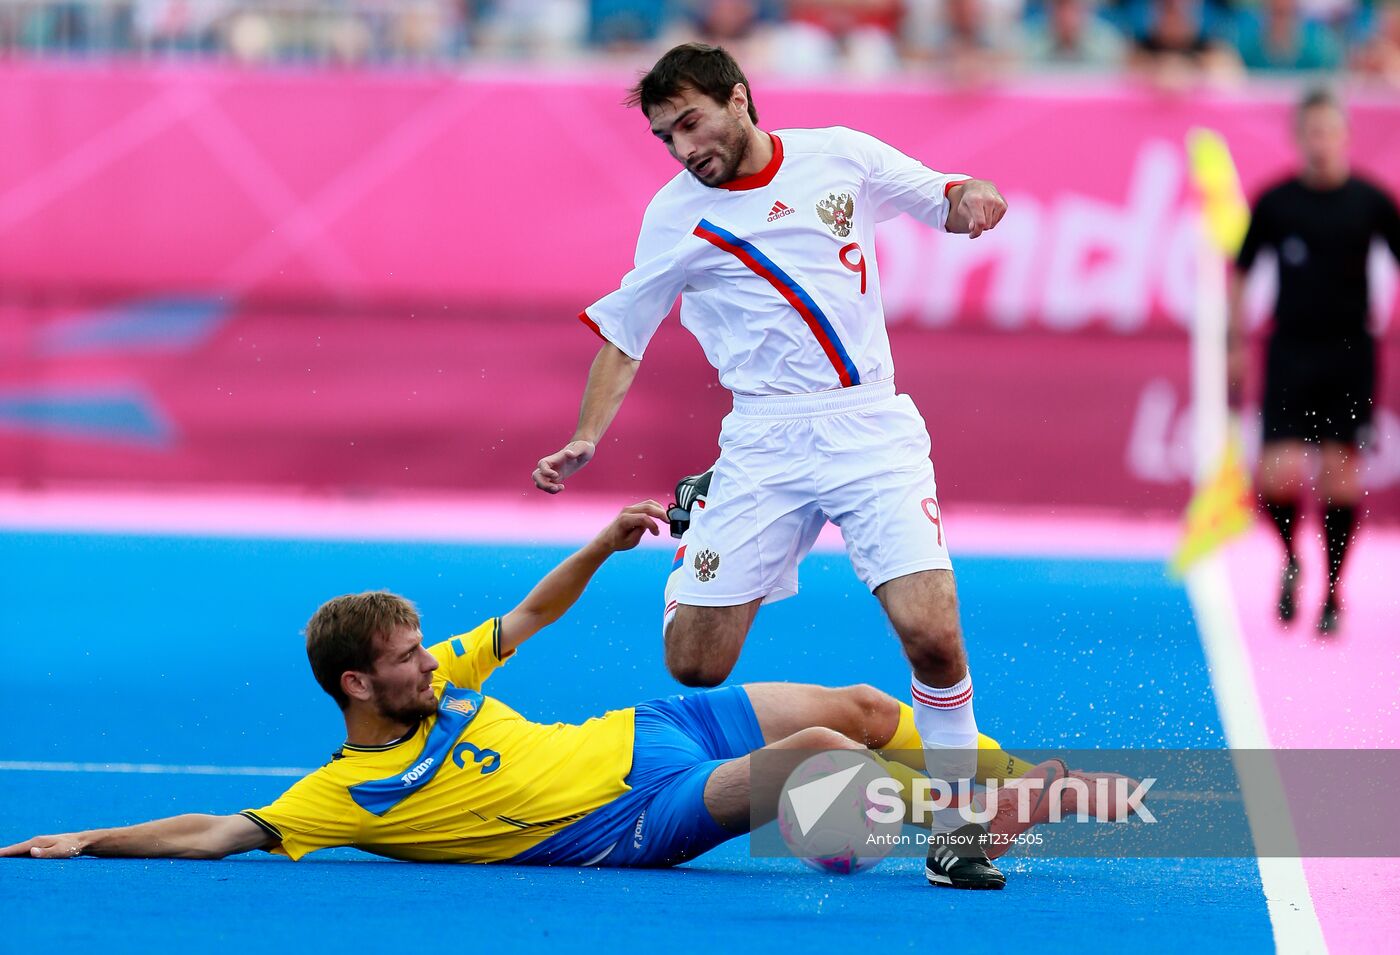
(154, 769)
(1295, 924)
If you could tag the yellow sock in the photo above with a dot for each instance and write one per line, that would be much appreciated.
(905, 735)
(995, 763)
(992, 762)
(906, 776)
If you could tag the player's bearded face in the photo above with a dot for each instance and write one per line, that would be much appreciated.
(708, 138)
(717, 161)
(402, 679)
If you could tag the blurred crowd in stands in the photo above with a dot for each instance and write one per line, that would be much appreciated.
(1169, 42)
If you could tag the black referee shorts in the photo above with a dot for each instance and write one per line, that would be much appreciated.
(1319, 390)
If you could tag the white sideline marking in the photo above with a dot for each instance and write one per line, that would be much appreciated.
(153, 769)
(1295, 924)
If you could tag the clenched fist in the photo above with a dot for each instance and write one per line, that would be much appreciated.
(977, 207)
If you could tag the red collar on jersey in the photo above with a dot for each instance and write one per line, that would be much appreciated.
(764, 176)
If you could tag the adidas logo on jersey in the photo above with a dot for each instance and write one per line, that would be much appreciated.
(779, 210)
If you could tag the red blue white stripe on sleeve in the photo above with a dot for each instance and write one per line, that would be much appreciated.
(764, 267)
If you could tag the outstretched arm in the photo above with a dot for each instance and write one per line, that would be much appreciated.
(608, 380)
(561, 587)
(974, 207)
(191, 836)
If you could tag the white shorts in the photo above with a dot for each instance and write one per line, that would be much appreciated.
(858, 457)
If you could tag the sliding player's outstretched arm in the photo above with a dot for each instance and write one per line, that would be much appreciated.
(608, 380)
(193, 836)
(563, 585)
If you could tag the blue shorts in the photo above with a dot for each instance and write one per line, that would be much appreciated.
(662, 820)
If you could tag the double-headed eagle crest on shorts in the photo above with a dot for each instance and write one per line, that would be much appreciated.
(838, 212)
(706, 566)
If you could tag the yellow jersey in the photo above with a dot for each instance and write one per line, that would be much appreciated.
(475, 782)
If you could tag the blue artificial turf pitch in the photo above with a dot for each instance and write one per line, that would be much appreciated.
(175, 650)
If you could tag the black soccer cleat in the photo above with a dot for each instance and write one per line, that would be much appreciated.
(958, 860)
(690, 491)
(1288, 591)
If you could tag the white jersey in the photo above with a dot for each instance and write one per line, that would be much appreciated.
(776, 271)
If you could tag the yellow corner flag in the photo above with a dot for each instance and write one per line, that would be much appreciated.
(1223, 205)
(1221, 508)
(1222, 505)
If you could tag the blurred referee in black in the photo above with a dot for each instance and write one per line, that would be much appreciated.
(1320, 372)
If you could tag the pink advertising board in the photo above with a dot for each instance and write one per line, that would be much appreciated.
(367, 280)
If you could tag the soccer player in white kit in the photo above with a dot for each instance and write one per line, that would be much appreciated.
(769, 240)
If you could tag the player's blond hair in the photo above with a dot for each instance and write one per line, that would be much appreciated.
(346, 633)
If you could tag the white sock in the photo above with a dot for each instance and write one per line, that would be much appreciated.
(943, 716)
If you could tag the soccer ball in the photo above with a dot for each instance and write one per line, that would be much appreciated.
(824, 813)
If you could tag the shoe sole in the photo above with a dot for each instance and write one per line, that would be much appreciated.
(944, 882)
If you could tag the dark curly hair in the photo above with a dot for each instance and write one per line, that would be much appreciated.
(706, 69)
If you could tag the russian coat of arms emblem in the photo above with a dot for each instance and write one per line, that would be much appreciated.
(706, 566)
(838, 212)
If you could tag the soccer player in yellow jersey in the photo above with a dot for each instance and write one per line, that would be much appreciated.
(433, 769)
